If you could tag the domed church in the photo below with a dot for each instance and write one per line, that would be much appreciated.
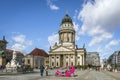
(66, 52)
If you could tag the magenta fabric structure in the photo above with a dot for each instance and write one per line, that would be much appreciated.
(68, 73)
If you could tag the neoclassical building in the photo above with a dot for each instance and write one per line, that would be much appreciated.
(66, 51)
(93, 58)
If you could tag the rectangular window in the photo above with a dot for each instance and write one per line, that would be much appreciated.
(57, 63)
(52, 63)
(28, 61)
(47, 61)
(66, 63)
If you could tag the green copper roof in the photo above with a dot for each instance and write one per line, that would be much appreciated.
(66, 18)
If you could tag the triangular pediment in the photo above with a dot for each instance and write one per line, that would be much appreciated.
(61, 48)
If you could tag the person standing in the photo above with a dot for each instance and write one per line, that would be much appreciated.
(46, 70)
(41, 69)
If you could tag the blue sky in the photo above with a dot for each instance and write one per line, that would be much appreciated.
(35, 23)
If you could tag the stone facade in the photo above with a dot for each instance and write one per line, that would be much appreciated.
(114, 60)
(46, 61)
(36, 58)
(33, 61)
(92, 58)
(66, 51)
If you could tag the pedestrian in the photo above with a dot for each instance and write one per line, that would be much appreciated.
(41, 69)
(46, 70)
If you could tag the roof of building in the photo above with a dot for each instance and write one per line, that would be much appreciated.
(38, 52)
(67, 18)
(116, 53)
(93, 53)
(67, 23)
(8, 51)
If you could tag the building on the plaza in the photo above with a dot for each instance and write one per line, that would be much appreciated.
(36, 58)
(93, 58)
(114, 59)
(104, 63)
(3, 44)
(66, 51)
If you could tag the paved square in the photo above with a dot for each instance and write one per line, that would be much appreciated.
(79, 75)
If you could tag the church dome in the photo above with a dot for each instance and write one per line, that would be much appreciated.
(67, 18)
(67, 23)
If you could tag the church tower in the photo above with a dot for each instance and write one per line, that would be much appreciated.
(67, 32)
(3, 44)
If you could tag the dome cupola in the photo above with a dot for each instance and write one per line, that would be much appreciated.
(67, 23)
(67, 19)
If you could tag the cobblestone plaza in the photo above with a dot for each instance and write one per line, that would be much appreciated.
(79, 75)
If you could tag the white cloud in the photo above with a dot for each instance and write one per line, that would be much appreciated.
(75, 15)
(51, 5)
(99, 19)
(53, 39)
(20, 43)
(112, 43)
(19, 38)
(99, 39)
(54, 7)
(76, 27)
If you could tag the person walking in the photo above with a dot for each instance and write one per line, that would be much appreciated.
(41, 69)
(46, 70)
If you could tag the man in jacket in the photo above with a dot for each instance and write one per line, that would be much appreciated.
(41, 69)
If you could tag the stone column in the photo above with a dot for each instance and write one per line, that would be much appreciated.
(50, 61)
(83, 60)
(73, 38)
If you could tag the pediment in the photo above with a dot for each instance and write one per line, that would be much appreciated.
(61, 48)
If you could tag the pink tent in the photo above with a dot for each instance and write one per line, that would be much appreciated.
(67, 73)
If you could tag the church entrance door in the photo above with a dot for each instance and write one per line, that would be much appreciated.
(61, 60)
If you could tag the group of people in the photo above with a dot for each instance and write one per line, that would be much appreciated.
(42, 69)
(63, 70)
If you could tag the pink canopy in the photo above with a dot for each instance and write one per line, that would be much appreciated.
(68, 73)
